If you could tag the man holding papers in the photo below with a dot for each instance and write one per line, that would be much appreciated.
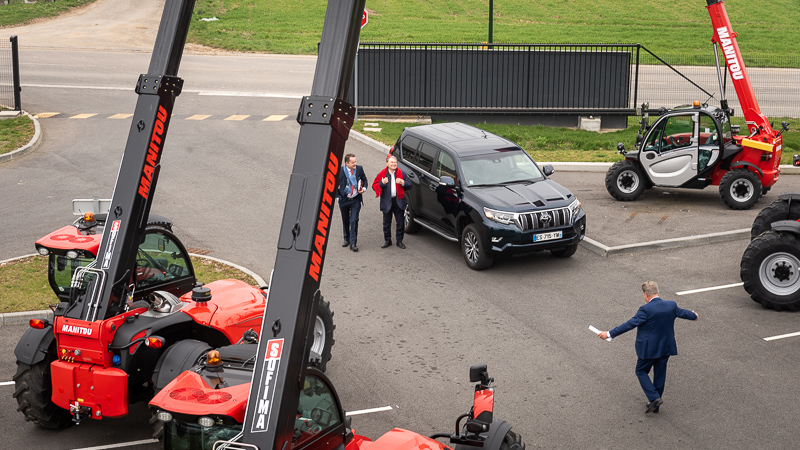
(655, 340)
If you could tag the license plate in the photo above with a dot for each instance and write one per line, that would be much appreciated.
(546, 236)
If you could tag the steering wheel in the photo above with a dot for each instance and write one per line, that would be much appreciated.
(520, 172)
(142, 262)
(673, 141)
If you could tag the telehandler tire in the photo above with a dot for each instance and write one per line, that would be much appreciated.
(740, 189)
(777, 210)
(33, 390)
(625, 181)
(323, 334)
(770, 270)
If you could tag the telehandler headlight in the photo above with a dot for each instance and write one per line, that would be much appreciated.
(72, 254)
(43, 251)
(164, 416)
(205, 422)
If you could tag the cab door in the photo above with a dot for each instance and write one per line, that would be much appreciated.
(670, 151)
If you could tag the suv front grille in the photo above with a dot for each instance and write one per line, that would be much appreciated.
(538, 220)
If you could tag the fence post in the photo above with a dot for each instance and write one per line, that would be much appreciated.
(15, 70)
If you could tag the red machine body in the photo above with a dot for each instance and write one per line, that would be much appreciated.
(761, 138)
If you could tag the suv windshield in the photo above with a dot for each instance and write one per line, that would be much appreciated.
(499, 167)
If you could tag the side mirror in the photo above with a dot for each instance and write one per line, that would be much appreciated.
(621, 146)
(479, 373)
(548, 170)
(447, 181)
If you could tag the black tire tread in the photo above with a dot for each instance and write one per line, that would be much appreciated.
(512, 441)
(777, 210)
(760, 247)
(724, 189)
(325, 308)
(33, 391)
(565, 252)
(611, 180)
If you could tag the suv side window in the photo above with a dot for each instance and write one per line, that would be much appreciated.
(426, 157)
(409, 149)
(446, 166)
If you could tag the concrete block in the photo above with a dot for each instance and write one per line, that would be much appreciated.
(589, 123)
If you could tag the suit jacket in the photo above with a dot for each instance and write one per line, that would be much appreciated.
(386, 194)
(655, 330)
(341, 194)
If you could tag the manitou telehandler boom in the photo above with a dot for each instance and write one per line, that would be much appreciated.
(696, 146)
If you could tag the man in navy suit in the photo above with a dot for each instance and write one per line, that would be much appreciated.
(352, 183)
(390, 185)
(655, 340)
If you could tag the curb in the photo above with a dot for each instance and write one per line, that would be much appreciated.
(690, 241)
(21, 318)
(30, 146)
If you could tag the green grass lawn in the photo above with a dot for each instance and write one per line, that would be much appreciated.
(24, 285)
(676, 30)
(14, 133)
(568, 144)
(17, 12)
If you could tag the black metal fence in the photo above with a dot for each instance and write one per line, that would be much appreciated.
(9, 74)
(547, 79)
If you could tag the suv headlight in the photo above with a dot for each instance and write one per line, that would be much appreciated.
(574, 207)
(500, 216)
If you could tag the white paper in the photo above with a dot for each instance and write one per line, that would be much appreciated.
(596, 331)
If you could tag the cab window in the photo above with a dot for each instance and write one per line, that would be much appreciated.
(708, 131)
(317, 411)
(159, 259)
(673, 133)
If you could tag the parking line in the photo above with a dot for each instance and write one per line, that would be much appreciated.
(198, 117)
(83, 116)
(782, 336)
(714, 288)
(368, 411)
(237, 117)
(120, 116)
(6, 383)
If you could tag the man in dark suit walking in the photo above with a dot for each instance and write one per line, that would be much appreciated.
(352, 183)
(655, 340)
(390, 185)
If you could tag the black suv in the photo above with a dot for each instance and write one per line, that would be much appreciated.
(485, 191)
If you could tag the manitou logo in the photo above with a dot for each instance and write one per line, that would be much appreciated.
(726, 42)
(112, 241)
(267, 388)
(153, 151)
(323, 223)
(72, 329)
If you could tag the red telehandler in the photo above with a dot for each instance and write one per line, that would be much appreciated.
(264, 396)
(127, 292)
(696, 146)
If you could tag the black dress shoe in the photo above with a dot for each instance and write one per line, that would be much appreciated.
(345, 243)
(400, 244)
(354, 248)
(386, 244)
(655, 411)
(651, 406)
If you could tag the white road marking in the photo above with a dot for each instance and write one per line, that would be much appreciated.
(782, 336)
(714, 288)
(7, 383)
(368, 411)
(195, 91)
(123, 444)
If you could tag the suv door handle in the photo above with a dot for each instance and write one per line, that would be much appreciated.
(433, 185)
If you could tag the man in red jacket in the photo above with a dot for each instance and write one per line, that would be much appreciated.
(390, 186)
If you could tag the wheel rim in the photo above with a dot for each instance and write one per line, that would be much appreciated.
(742, 190)
(779, 273)
(628, 181)
(471, 249)
(407, 216)
(319, 336)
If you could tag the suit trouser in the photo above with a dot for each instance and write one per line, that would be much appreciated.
(652, 389)
(400, 226)
(350, 209)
